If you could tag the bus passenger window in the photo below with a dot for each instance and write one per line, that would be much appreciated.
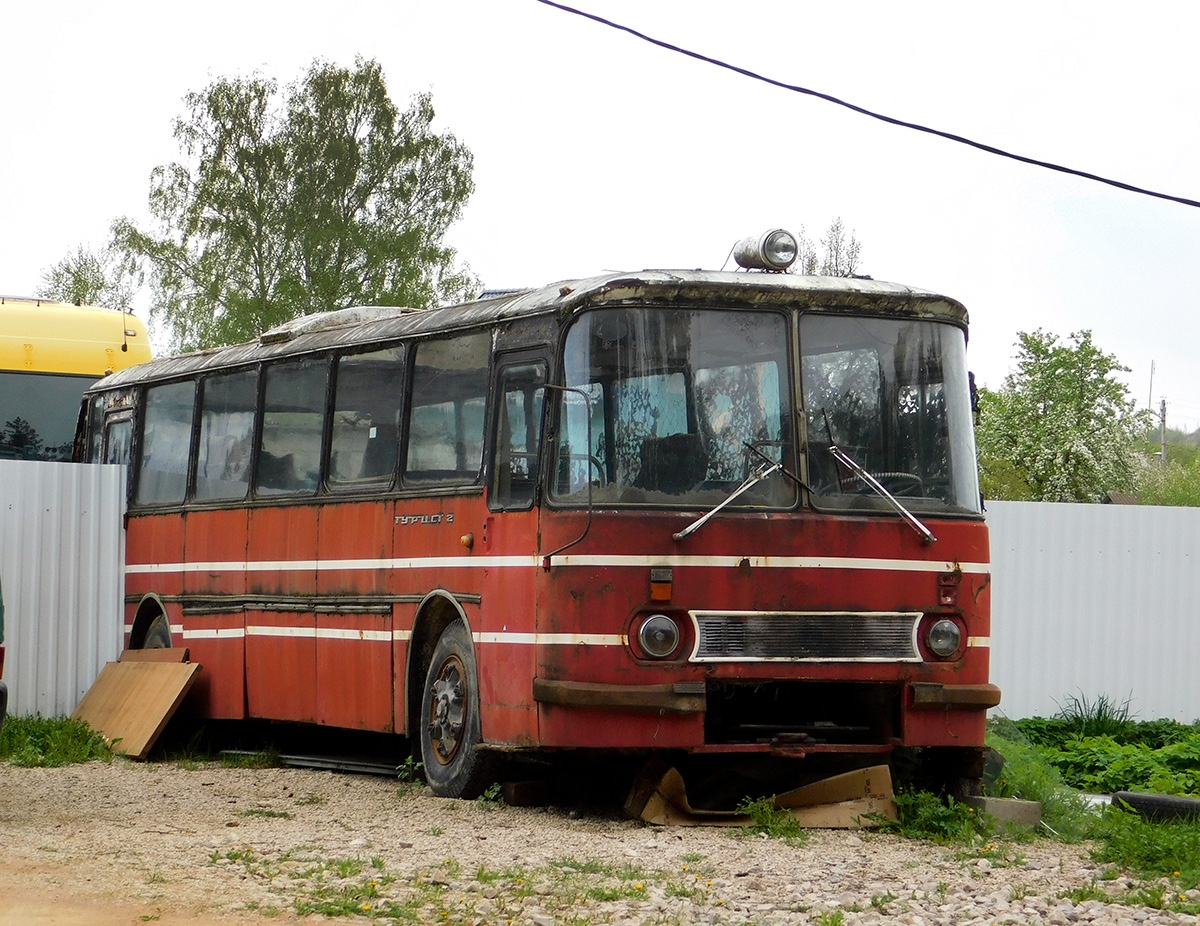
(118, 435)
(366, 419)
(226, 432)
(166, 442)
(289, 456)
(95, 429)
(518, 436)
(447, 416)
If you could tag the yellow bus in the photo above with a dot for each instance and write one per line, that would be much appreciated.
(50, 352)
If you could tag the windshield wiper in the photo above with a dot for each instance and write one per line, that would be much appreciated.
(750, 481)
(844, 458)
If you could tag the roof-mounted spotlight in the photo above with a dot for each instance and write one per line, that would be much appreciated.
(775, 250)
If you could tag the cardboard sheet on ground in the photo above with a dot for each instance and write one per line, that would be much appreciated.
(131, 701)
(852, 800)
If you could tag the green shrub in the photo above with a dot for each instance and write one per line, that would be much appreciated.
(50, 742)
(924, 815)
(1101, 764)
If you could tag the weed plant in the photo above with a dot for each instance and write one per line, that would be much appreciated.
(924, 815)
(772, 821)
(51, 742)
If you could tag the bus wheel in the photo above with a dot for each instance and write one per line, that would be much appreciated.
(158, 633)
(450, 727)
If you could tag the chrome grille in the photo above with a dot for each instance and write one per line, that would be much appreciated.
(723, 636)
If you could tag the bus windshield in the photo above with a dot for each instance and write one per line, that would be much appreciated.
(38, 413)
(662, 406)
(892, 394)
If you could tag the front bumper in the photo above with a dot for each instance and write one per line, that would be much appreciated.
(964, 697)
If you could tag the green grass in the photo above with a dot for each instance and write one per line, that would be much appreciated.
(773, 821)
(1029, 775)
(266, 813)
(265, 758)
(1151, 850)
(51, 742)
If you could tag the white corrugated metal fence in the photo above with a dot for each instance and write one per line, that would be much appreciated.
(1092, 600)
(62, 559)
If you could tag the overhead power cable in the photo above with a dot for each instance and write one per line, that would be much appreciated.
(891, 120)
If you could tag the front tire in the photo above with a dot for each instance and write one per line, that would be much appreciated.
(450, 727)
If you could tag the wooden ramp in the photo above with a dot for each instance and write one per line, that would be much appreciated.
(132, 700)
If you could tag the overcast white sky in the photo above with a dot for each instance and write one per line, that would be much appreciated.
(596, 151)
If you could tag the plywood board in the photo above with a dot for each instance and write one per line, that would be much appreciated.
(158, 654)
(131, 702)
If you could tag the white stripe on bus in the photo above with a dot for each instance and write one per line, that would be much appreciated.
(529, 562)
(221, 633)
(403, 636)
(387, 636)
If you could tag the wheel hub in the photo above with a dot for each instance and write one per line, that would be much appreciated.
(447, 711)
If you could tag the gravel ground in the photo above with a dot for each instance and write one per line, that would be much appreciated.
(108, 844)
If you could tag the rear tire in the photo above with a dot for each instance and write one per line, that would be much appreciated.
(450, 727)
(158, 633)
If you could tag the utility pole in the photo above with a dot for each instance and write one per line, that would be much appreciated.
(1162, 431)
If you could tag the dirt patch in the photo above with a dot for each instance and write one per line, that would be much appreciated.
(128, 843)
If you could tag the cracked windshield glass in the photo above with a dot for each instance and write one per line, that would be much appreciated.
(667, 401)
(893, 394)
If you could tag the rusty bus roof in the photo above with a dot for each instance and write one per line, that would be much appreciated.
(364, 325)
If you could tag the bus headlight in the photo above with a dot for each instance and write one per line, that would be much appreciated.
(944, 638)
(774, 250)
(658, 636)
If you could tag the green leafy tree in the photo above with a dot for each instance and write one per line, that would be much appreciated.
(86, 277)
(312, 198)
(1062, 427)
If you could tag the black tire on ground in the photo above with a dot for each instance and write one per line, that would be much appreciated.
(449, 722)
(158, 633)
(1158, 806)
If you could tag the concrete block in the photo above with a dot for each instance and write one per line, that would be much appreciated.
(1008, 810)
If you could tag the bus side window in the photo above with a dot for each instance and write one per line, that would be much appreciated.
(166, 443)
(447, 413)
(95, 429)
(289, 454)
(118, 437)
(518, 436)
(367, 400)
(226, 430)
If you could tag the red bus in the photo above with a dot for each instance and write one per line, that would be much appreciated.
(726, 513)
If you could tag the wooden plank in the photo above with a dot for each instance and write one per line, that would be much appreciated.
(131, 702)
(158, 654)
